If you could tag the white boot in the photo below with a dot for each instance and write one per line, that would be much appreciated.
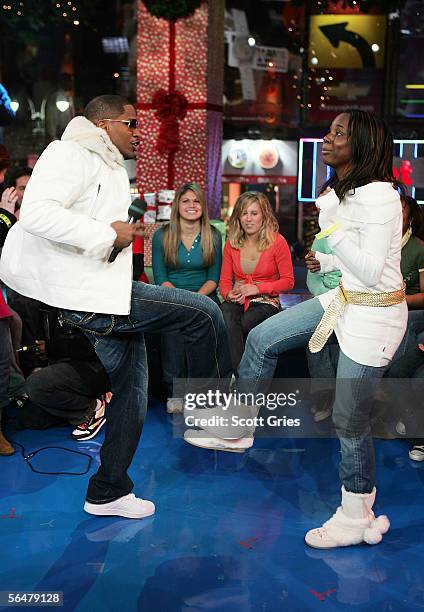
(354, 522)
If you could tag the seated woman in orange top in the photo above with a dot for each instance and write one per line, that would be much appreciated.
(256, 268)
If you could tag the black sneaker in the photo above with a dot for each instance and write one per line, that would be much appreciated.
(92, 424)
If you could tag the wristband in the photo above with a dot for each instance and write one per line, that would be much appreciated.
(8, 223)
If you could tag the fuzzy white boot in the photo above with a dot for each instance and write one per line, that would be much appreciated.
(354, 522)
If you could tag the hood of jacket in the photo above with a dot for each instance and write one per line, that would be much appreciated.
(93, 138)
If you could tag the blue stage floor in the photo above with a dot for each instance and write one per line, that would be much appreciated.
(227, 536)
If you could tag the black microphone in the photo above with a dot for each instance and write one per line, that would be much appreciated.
(135, 211)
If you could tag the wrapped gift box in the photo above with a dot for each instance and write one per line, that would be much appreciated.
(179, 90)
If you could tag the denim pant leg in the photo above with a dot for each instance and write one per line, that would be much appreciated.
(198, 320)
(125, 415)
(351, 417)
(119, 344)
(173, 358)
(286, 330)
(4, 362)
(413, 332)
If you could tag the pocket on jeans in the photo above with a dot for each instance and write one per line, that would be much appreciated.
(90, 322)
(74, 317)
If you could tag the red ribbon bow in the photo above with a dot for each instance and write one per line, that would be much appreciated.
(170, 107)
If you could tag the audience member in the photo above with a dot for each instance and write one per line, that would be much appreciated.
(187, 254)
(410, 366)
(15, 183)
(256, 268)
(72, 387)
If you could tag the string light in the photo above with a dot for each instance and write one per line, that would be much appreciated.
(69, 5)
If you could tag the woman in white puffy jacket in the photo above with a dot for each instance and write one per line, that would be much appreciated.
(361, 217)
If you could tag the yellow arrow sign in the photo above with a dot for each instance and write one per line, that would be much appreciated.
(347, 41)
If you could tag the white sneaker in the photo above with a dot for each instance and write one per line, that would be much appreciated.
(320, 415)
(174, 405)
(400, 428)
(417, 453)
(129, 506)
(200, 439)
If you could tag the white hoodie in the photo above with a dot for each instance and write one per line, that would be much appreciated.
(57, 252)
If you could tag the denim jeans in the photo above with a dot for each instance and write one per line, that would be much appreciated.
(119, 344)
(413, 335)
(293, 328)
(173, 355)
(4, 362)
(410, 409)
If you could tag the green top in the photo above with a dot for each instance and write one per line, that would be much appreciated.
(412, 263)
(321, 282)
(191, 273)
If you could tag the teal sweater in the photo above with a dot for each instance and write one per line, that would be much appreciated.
(191, 273)
(319, 282)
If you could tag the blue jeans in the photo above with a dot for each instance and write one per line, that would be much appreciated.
(173, 355)
(413, 335)
(4, 362)
(119, 344)
(291, 329)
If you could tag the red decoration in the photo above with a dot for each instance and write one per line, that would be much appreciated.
(169, 108)
(180, 101)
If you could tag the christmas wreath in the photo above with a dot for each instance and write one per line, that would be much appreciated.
(171, 10)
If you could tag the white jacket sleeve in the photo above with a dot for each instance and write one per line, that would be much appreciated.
(367, 261)
(58, 181)
(328, 262)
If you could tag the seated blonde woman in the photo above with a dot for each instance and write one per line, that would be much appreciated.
(256, 268)
(186, 254)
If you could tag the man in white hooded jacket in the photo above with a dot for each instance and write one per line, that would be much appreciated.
(72, 216)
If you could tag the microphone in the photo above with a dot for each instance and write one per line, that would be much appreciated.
(135, 212)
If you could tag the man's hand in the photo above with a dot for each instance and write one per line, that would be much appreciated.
(126, 232)
(41, 347)
(9, 199)
(312, 262)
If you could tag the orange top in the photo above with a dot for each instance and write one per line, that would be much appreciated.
(273, 273)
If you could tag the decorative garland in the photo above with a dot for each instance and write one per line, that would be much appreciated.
(171, 10)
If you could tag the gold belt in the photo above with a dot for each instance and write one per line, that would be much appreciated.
(334, 310)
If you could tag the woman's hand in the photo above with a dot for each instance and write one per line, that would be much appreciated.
(326, 190)
(235, 297)
(312, 262)
(9, 199)
(249, 289)
(328, 209)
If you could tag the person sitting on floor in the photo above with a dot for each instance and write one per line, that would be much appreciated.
(72, 388)
(186, 254)
(256, 268)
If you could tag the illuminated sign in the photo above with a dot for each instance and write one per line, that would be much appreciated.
(408, 166)
(347, 41)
